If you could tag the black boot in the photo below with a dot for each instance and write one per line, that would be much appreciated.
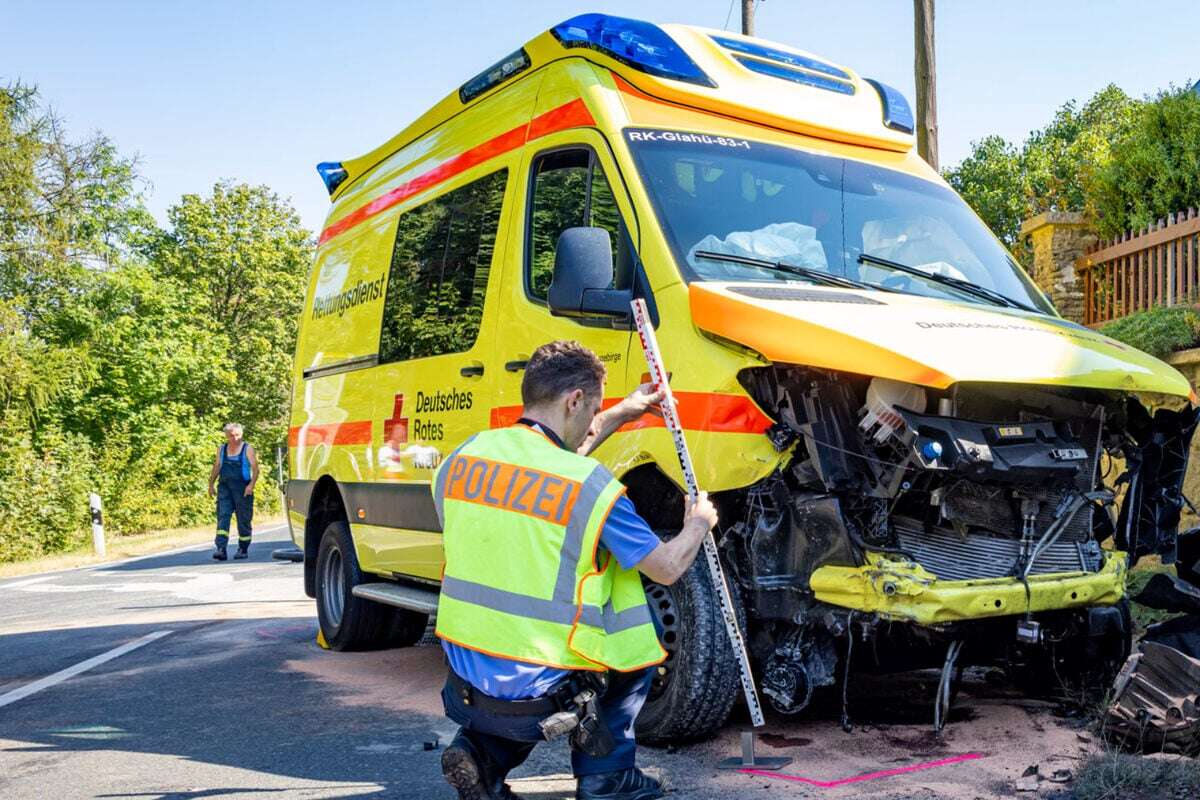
(220, 554)
(628, 784)
(243, 551)
(462, 768)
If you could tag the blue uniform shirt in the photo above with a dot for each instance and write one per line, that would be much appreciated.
(628, 538)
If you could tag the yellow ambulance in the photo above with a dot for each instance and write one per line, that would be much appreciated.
(913, 455)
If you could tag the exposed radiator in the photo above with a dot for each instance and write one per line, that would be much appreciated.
(951, 557)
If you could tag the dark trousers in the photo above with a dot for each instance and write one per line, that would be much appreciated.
(506, 741)
(232, 499)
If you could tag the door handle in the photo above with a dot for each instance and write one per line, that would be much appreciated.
(471, 371)
(516, 366)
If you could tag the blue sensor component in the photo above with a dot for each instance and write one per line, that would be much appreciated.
(782, 56)
(642, 45)
(495, 75)
(931, 450)
(795, 75)
(333, 173)
(897, 114)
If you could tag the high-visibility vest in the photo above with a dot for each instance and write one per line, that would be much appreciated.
(521, 522)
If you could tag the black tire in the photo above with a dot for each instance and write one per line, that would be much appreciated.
(698, 684)
(408, 627)
(347, 622)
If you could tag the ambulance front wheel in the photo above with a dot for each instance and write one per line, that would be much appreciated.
(349, 622)
(694, 690)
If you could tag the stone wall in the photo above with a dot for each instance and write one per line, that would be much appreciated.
(1058, 238)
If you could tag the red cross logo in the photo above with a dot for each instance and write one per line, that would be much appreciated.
(397, 423)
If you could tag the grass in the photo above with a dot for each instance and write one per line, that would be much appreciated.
(121, 547)
(1118, 776)
(1143, 616)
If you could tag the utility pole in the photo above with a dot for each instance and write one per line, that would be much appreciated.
(925, 69)
(748, 17)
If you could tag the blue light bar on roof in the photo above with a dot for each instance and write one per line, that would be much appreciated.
(782, 56)
(333, 173)
(796, 75)
(642, 45)
(897, 114)
(495, 75)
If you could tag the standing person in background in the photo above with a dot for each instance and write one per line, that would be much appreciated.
(237, 468)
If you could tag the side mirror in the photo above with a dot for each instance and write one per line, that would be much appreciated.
(583, 275)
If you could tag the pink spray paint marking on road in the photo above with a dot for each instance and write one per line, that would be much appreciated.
(869, 776)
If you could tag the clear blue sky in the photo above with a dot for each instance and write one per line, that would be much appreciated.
(260, 91)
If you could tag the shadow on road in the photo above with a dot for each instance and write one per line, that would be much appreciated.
(256, 695)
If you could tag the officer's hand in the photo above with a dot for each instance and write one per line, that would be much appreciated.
(249, 491)
(640, 401)
(701, 511)
(211, 491)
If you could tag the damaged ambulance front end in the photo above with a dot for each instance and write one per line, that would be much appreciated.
(965, 477)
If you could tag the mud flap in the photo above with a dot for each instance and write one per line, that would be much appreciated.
(1157, 460)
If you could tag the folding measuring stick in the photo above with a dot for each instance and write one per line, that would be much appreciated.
(658, 376)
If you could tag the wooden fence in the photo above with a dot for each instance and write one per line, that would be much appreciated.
(1159, 266)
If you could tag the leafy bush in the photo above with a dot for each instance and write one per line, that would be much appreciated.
(1154, 169)
(1158, 331)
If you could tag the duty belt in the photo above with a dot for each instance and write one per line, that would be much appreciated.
(554, 700)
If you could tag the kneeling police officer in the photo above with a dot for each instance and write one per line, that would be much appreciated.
(542, 615)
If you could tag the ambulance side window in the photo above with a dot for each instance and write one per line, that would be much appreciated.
(567, 189)
(439, 272)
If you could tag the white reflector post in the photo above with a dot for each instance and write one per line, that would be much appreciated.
(97, 524)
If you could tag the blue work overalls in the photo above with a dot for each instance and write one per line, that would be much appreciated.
(232, 498)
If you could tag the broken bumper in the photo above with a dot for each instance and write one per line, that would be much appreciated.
(904, 590)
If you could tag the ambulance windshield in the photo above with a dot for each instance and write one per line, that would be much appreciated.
(720, 195)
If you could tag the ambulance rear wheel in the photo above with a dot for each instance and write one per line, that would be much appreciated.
(347, 622)
(694, 690)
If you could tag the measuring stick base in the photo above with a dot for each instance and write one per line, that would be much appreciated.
(748, 760)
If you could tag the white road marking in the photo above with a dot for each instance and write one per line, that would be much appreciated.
(82, 666)
(15, 584)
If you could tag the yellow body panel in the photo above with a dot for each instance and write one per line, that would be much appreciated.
(344, 402)
(907, 592)
(931, 342)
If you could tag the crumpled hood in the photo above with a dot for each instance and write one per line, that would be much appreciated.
(922, 340)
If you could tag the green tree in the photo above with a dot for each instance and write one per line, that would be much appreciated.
(241, 256)
(1154, 169)
(67, 208)
(990, 180)
(1055, 169)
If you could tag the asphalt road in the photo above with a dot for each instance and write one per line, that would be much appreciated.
(189, 678)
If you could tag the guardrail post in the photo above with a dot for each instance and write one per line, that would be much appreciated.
(97, 524)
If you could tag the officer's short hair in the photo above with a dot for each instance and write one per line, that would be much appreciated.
(559, 367)
(230, 427)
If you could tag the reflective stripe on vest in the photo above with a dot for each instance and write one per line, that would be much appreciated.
(522, 520)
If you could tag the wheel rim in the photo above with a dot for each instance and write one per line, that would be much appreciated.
(666, 619)
(333, 585)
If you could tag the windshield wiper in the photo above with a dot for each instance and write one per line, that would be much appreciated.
(814, 275)
(955, 283)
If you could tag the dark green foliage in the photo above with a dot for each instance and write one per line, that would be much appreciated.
(1126, 163)
(1119, 776)
(1158, 331)
(124, 348)
(1052, 170)
(1154, 170)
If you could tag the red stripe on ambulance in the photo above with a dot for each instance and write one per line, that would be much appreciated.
(569, 115)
